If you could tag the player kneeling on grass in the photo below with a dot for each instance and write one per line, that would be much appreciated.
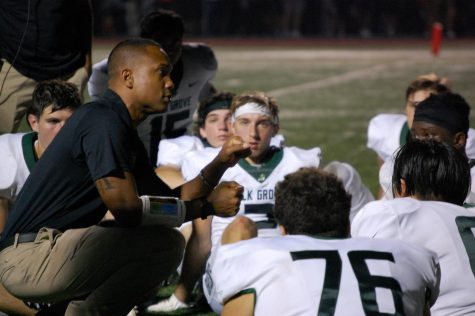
(315, 268)
(430, 182)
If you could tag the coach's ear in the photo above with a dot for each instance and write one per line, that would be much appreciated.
(127, 77)
(282, 229)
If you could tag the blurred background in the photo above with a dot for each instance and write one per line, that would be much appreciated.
(294, 18)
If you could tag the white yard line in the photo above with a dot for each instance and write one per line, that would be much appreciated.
(339, 79)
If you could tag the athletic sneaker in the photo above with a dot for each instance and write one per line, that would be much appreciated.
(168, 305)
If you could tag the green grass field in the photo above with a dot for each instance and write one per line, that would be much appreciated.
(328, 92)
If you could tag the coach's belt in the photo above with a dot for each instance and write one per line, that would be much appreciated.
(19, 239)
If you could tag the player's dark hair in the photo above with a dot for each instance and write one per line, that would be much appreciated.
(311, 201)
(55, 93)
(159, 22)
(432, 171)
(430, 82)
(219, 100)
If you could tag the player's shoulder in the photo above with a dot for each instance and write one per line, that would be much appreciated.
(399, 206)
(174, 150)
(384, 132)
(385, 119)
(196, 160)
(201, 54)
(470, 144)
(10, 140)
(307, 157)
(11, 155)
(184, 143)
(101, 65)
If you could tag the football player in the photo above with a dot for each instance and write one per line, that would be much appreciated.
(315, 269)
(430, 182)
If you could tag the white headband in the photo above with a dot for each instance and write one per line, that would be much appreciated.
(252, 108)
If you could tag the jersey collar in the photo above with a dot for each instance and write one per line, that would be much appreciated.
(261, 172)
(28, 147)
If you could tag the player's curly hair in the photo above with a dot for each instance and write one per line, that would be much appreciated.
(313, 202)
(58, 94)
(432, 170)
(429, 82)
(260, 98)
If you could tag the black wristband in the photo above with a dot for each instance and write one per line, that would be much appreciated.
(206, 209)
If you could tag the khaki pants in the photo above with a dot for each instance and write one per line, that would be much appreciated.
(16, 94)
(113, 268)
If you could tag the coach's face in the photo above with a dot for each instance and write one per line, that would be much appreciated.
(257, 131)
(151, 80)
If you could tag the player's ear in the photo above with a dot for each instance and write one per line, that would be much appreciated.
(403, 191)
(282, 229)
(460, 139)
(202, 132)
(33, 121)
(276, 129)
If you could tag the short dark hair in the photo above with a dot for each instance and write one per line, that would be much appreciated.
(432, 171)
(218, 100)
(313, 202)
(124, 50)
(58, 94)
(447, 110)
(161, 21)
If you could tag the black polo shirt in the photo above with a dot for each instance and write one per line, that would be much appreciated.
(98, 140)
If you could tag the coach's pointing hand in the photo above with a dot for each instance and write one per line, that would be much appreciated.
(226, 198)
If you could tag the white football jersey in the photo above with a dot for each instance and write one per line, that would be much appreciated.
(302, 275)
(360, 194)
(174, 150)
(199, 67)
(444, 228)
(386, 132)
(17, 158)
(259, 183)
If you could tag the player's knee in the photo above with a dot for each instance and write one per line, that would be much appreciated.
(241, 228)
